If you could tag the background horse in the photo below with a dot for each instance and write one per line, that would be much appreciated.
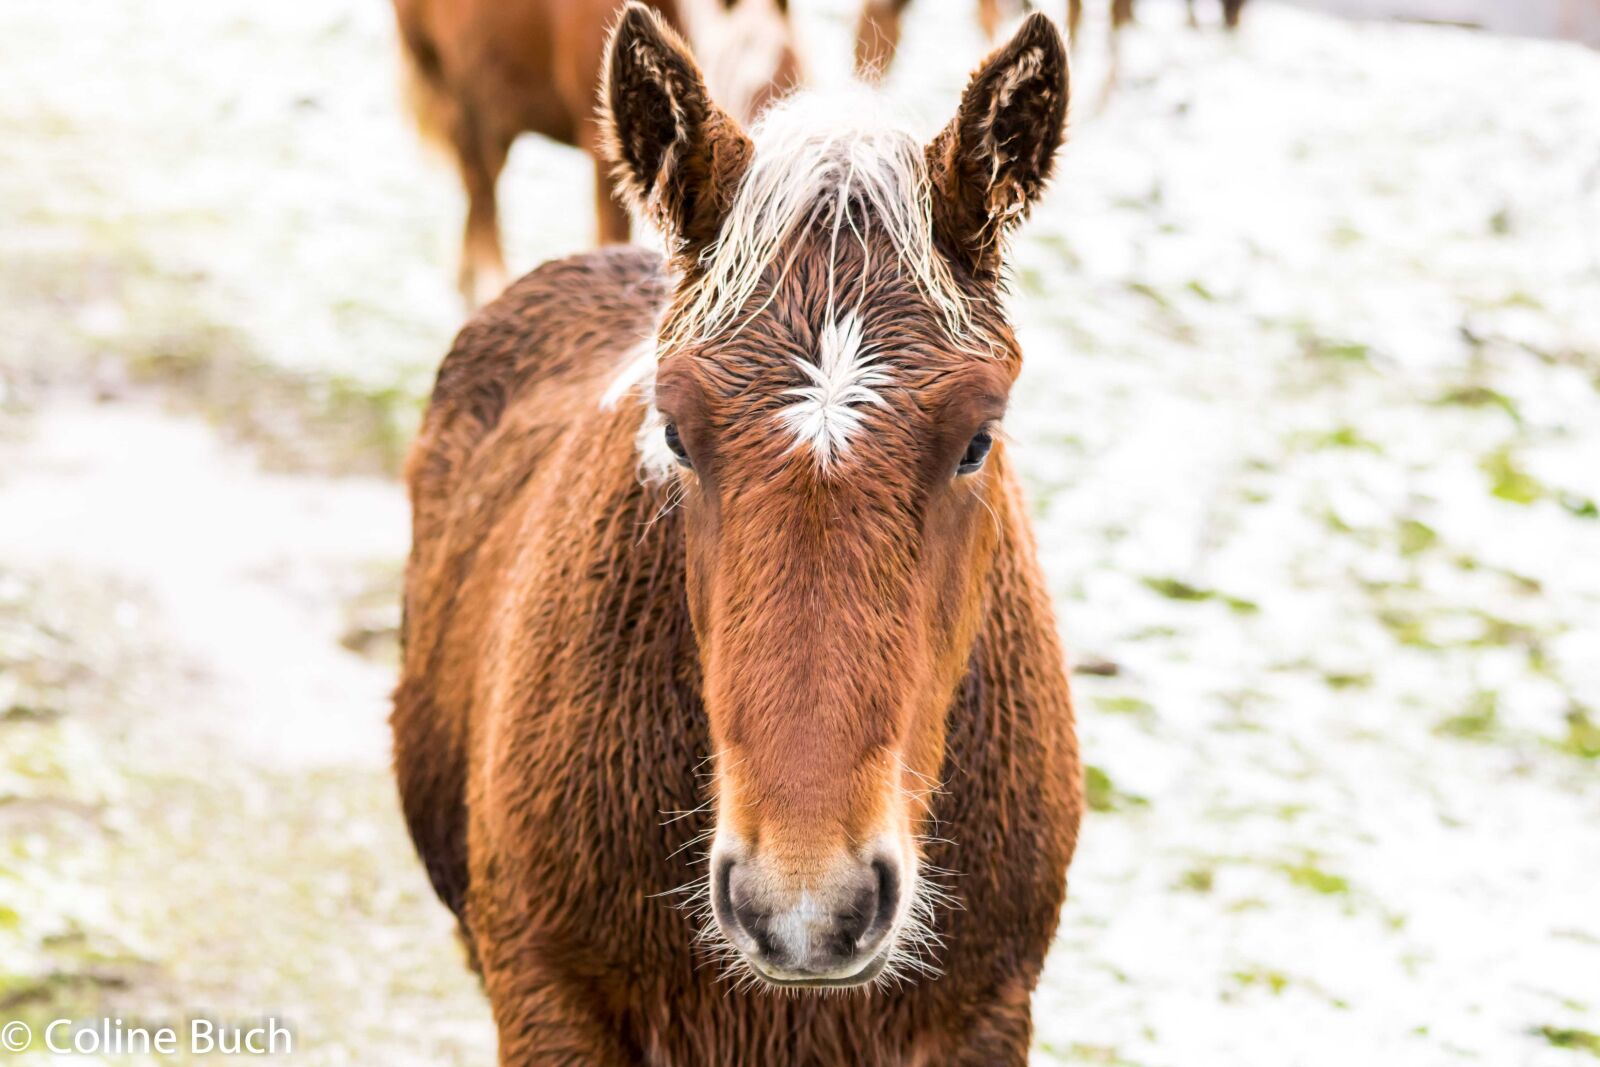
(480, 72)
(734, 536)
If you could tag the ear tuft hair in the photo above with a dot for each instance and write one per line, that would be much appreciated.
(992, 162)
(678, 156)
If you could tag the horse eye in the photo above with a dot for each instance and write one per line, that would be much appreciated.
(675, 444)
(977, 451)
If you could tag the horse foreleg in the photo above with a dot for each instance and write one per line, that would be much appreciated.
(1074, 19)
(877, 37)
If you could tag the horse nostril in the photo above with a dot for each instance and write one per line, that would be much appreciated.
(888, 894)
(852, 924)
(737, 907)
(861, 928)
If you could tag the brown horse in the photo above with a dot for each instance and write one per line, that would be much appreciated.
(481, 72)
(728, 548)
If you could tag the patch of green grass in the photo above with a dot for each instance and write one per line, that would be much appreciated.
(1275, 982)
(1307, 875)
(1509, 481)
(1481, 396)
(1583, 734)
(1416, 537)
(1150, 293)
(1341, 437)
(1335, 349)
(1123, 705)
(1578, 506)
(1339, 681)
(1478, 722)
(1406, 628)
(1344, 234)
(1103, 794)
(1504, 633)
(1522, 582)
(1518, 298)
(1335, 522)
(1197, 880)
(1571, 1038)
(1178, 589)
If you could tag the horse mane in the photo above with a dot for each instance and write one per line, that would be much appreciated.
(832, 163)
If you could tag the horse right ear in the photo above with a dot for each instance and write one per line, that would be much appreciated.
(678, 156)
(992, 162)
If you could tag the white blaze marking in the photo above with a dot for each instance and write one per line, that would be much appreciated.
(845, 376)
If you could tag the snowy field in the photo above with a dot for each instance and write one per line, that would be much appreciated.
(1311, 423)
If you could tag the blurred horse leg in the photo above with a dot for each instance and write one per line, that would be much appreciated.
(989, 17)
(1074, 19)
(482, 156)
(1230, 12)
(612, 222)
(1121, 15)
(877, 37)
(1194, 21)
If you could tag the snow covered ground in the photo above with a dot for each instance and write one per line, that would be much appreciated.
(1311, 422)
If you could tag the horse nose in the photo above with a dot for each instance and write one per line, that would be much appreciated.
(830, 929)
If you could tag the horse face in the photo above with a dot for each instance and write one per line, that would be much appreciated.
(833, 367)
(840, 486)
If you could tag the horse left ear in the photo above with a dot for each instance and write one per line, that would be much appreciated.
(992, 162)
(678, 156)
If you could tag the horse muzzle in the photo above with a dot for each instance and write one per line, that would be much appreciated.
(832, 929)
